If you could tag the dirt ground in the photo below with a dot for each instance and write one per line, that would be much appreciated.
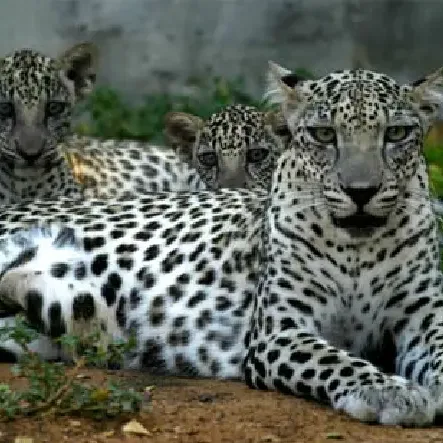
(204, 411)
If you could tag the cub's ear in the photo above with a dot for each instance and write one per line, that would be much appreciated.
(427, 94)
(79, 68)
(181, 131)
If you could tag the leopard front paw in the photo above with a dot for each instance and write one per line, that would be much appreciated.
(394, 402)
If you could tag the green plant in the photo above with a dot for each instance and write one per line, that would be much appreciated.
(434, 156)
(111, 117)
(53, 389)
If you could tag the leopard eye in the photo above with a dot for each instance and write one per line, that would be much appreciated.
(207, 159)
(256, 155)
(55, 108)
(322, 134)
(6, 110)
(396, 134)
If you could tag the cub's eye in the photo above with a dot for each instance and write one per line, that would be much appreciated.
(207, 159)
(256, 155)
(6, 110)
(395, 134)
(55, 108)
(323, 135)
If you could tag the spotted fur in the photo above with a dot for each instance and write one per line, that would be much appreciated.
(108, 168)
(323, 288)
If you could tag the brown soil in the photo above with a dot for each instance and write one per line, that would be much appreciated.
(205, 411)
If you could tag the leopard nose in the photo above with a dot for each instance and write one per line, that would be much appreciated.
(361, 196)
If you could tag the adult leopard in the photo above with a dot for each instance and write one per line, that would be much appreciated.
(299, 291)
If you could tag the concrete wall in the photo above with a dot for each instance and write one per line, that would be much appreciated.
(163, 45)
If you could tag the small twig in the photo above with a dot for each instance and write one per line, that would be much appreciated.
(48, 404)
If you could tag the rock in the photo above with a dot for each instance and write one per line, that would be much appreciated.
(134, 427)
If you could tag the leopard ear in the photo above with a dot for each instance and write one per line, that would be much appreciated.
(282, 85)
(427, 94)
(79, 69)
(181, 132)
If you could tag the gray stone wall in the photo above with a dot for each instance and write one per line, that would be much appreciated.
(165, 45)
